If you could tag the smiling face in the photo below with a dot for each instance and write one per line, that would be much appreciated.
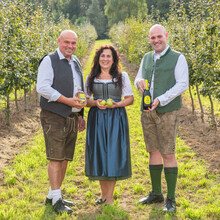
(67, 43)
(106, 59)
(158, 38)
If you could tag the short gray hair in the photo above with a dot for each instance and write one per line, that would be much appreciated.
(67, 31)
(158, 26)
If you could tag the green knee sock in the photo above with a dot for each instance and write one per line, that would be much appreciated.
(155, 174)
(171, 178)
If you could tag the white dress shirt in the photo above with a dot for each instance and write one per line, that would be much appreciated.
(181, 76)
(46, 75)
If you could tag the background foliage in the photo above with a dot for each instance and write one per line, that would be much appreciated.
(30, 28)
(26, 35)
(113, 11)
(195, 34)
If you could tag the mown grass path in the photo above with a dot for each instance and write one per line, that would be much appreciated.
(26, 182)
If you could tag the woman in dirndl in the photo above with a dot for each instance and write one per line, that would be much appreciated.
(108, 156)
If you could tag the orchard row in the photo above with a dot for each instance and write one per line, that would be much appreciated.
(196, 35)
(27, 34)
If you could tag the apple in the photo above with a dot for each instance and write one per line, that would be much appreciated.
(103, 102)
(109, 102)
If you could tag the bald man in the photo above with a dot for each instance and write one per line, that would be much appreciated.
(58, 80)
(167, 73)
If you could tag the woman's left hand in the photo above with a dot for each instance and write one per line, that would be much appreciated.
(115, 105)
(128, 100)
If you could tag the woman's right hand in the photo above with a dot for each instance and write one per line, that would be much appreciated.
(99, 105)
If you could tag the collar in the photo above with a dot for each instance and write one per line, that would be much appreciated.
(61, 56)
(163, 52)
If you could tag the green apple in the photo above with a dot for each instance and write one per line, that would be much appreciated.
(103, 102)
(109, 102)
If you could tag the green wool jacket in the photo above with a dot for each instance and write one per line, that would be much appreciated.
(164, 77)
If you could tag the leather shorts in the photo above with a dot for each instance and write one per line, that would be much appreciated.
(160, 130)
(60, 135)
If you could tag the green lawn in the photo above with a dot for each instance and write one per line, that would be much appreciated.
(26, 181)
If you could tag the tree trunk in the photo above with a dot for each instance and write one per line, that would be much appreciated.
(52, 5)
(36, 97)
(200, 104)
(29, 96)
(7, 111)
(25, 100)
(58, 5)
(213, 122)
(16, 99)
(192, 101)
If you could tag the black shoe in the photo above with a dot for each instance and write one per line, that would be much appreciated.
(48, 201)
(66, 202)
(152, 197)
(170, 205)
(100, 201)
(60, 208)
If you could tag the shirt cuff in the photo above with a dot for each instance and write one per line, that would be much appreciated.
(160, 98)
(56, 95)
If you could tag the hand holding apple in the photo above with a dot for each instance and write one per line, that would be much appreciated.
(101, 104)
(109, 102)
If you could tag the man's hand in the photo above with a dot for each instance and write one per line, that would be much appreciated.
(81, 124)
(155, 103)
(76, 103)
(72, 102)
(141, 85)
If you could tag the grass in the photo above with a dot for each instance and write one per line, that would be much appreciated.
(26, 182)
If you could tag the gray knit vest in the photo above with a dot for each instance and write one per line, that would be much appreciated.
(63, 83)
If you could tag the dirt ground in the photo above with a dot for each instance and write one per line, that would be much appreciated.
(23, 127)
(202, 140)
